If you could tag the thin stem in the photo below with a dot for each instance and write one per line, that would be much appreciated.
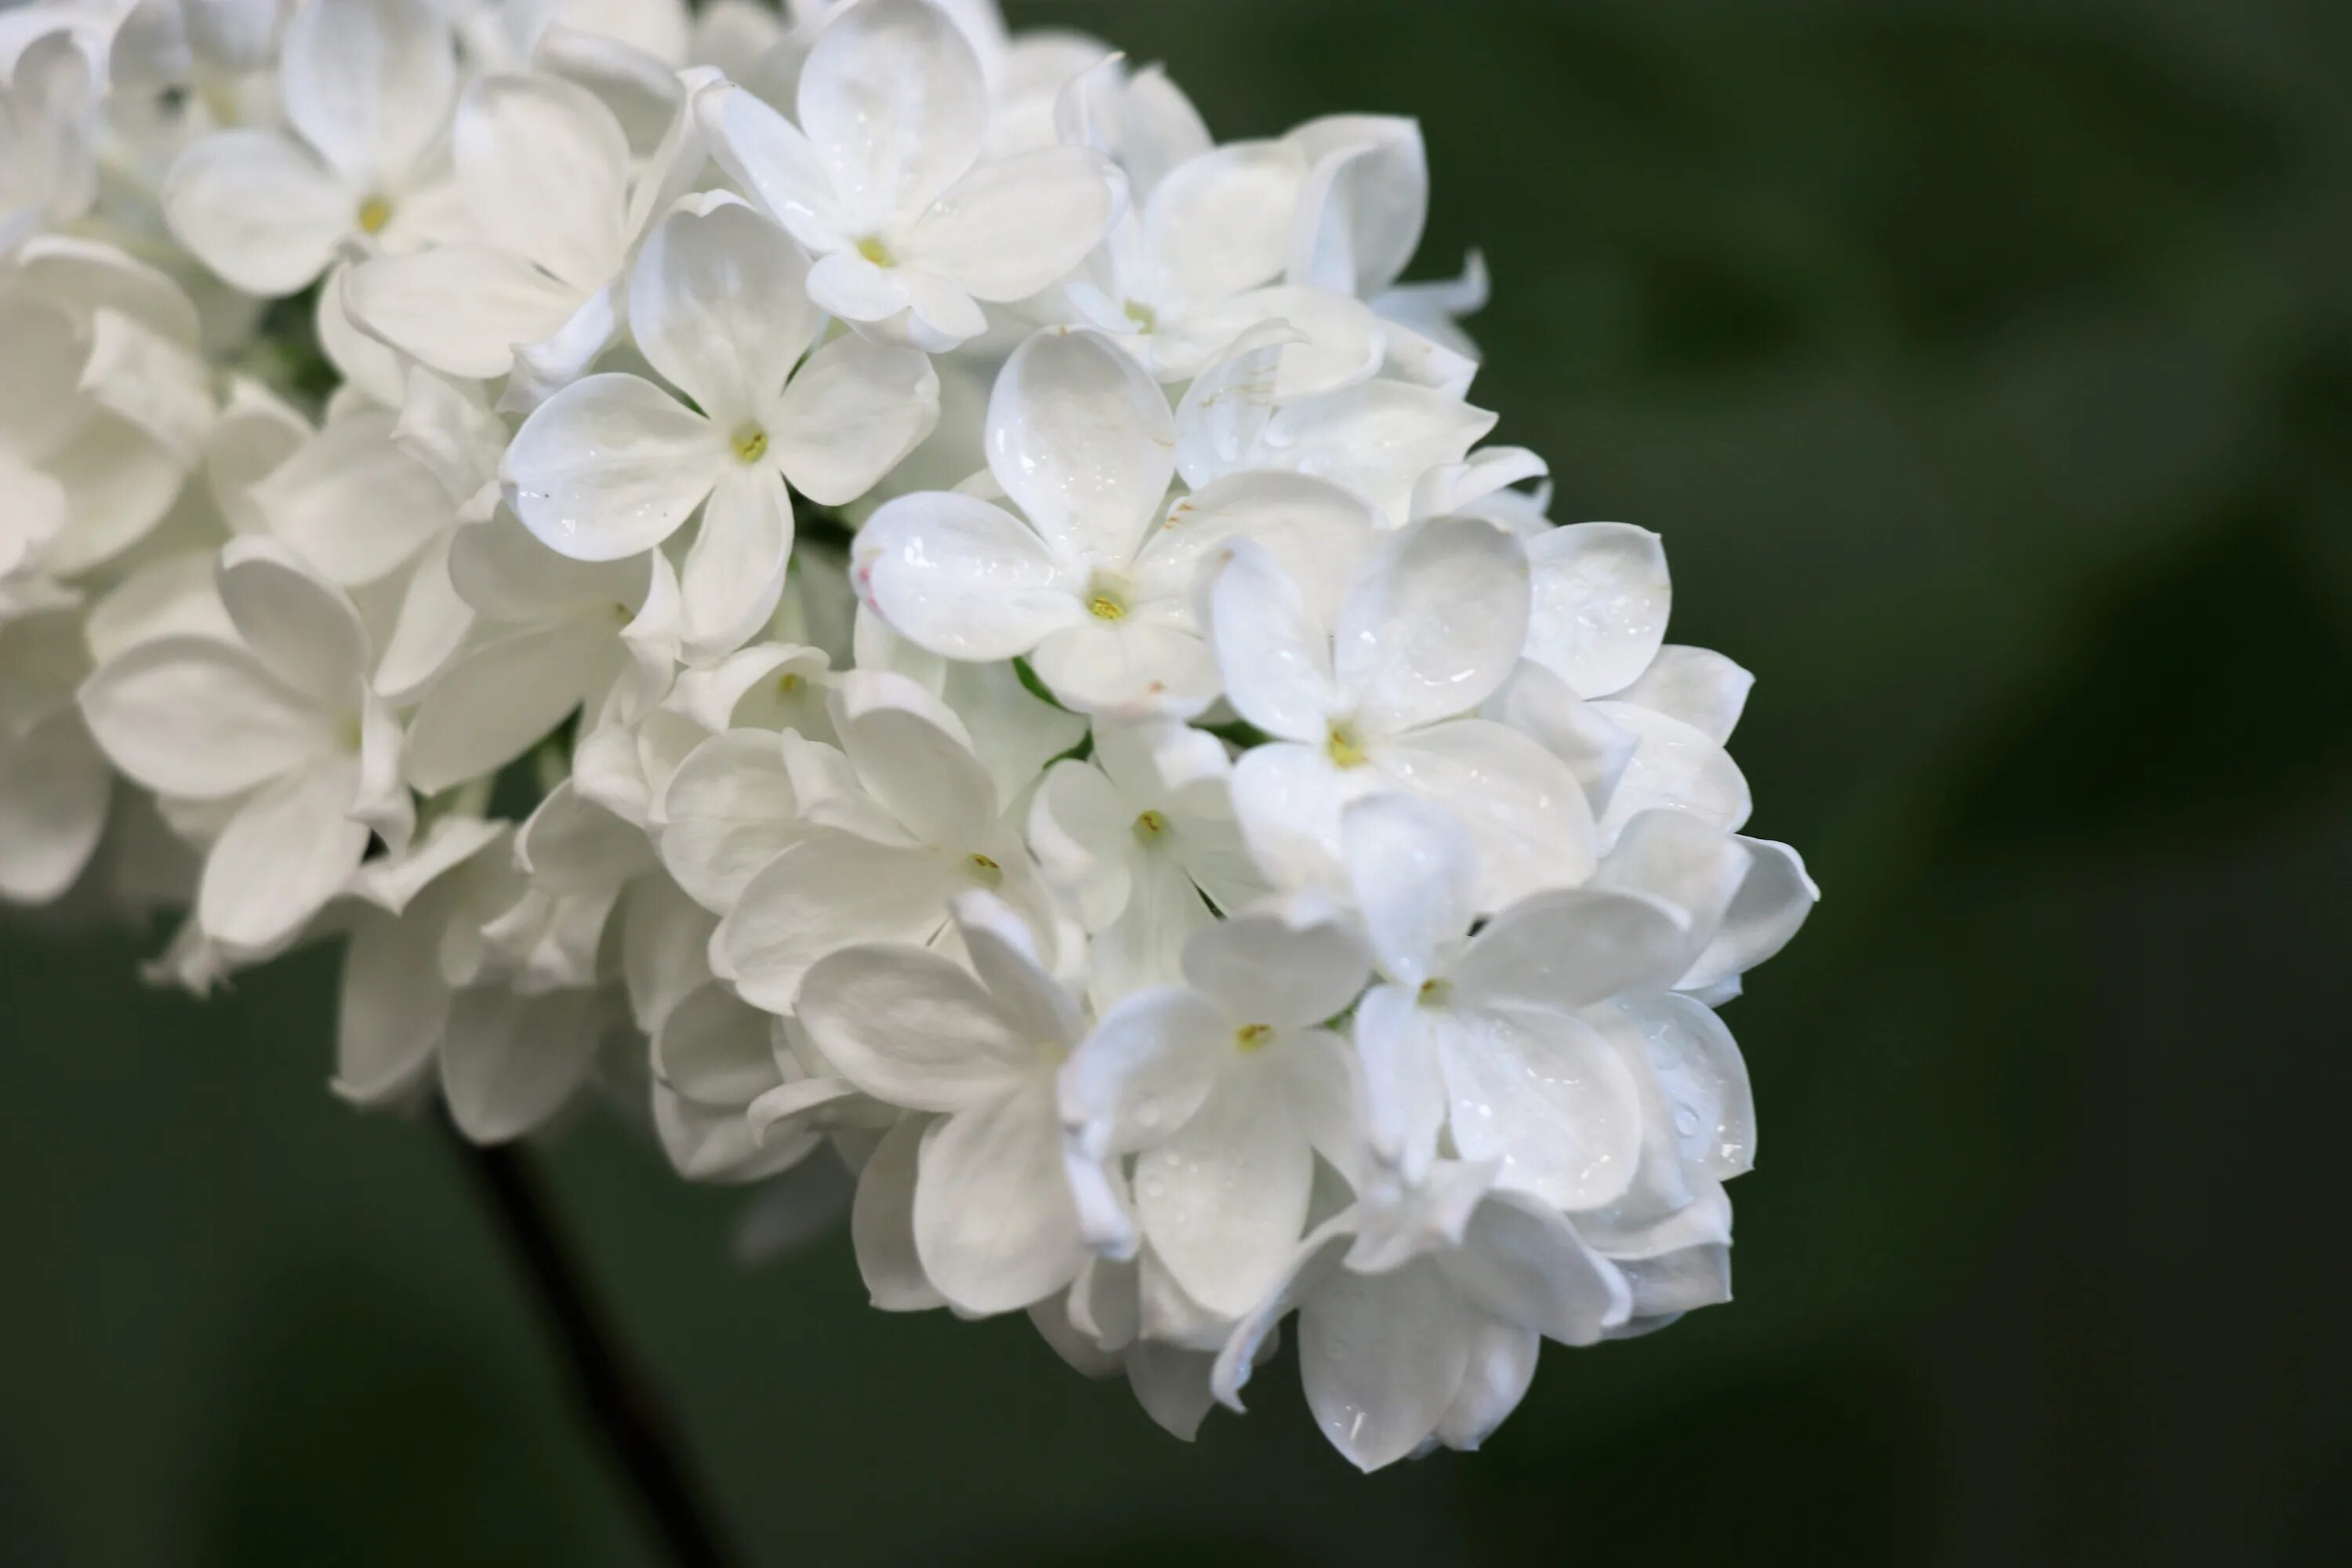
(607, 1388)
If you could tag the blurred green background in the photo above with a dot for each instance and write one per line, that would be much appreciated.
(1987, 367)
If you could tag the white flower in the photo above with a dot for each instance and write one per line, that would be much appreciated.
(105, 408)
(1227, 1088)
(1093, 587)
(1369, 694)
(613, 465)
(409, 928)
(1420, 1314)
(49, 101)
(279, 726)
(54, 782)
(994, 1227)
(542, 171)
(883, 180)
(893, 824)
(1479, 1036)
(366, 87)
(1141, 841)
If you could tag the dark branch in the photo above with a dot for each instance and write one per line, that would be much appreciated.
(608, 1390)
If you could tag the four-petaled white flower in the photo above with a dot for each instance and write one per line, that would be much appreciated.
(1373, 693)
(613, 465)
(994, 1225)
(1096, 588)
(277, 731)
(1225, 1088)
(883, 180)
(367, 86)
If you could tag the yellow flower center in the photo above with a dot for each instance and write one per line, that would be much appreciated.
(1253, 1036)
(1145, 318)
(1435, 993)
(374, 213)
(985, 871)
(874, 250)
(788, 683)
(1106, 604)
(1150, 827)
(751, 443)
(1343, 747)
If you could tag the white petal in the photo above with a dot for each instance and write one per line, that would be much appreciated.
(1134, 667)
(54, 791)
(299, 625)
(1414, 870)
(1501, 1366)
(851, 413)
(1003, 953)
(1014, 225)
(1289, 799)
(1772, 902)
(1546, 1097)
(1691, 865)
(497, 702)
(912, 755)
(1316, 532)
(367, 82)
(1695, 685)
(499, 570)
(962, 578)
(1705, 1078)
(1360, 215)
(829, 891)
(734, 572)
(881, 1223)
(1171, 1383)
(427, 631)
(258, 209)
(1601, 594)
(391, 1008)
(1382, 1357)
(1434, 628)
(197, 718)
(461, 309)
(1405, 1094)
(1145, 945)
(767, 155)
(1144, 1071)
(893, 101)
(1221, 224)
(352, 502)
(1223, 1199)
(1262, 968)
(994, 1222)
(1565, 950)
(718, 304)
(1376, 438)
(1526, 1265)
(1276, 659)
(611, 466)
(1527, 813)
(727, 811)
(713, 1050)
(545, 170)
(281, 858)
(1675, 768)
(511, 1061)
(1082, 442)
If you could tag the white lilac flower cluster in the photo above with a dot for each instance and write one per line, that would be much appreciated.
(1183, 827)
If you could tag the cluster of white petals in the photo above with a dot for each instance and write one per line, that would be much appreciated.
(1009, 667)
